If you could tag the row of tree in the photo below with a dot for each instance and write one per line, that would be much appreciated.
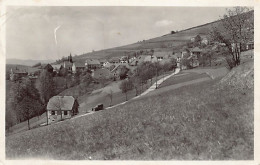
(145, 72)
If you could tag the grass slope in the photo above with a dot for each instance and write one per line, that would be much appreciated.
(210, 120)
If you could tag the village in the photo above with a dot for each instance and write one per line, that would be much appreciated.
(118, 69)
(174, 91)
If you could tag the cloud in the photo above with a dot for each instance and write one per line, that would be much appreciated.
(163, 23)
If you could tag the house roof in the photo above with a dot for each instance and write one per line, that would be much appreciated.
(117, 59)
(196, 49)
(18, 71)
(47, 66)
(102, 60)
(178, 54)
(92, 62)
(56, 66)
(67, 64)
(162, 54)
(79, 64)
(61, 103)
(32, 70)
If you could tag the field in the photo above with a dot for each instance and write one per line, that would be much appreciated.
(217, 124)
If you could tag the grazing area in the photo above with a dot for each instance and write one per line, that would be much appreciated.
(209, 120)
(182, 78)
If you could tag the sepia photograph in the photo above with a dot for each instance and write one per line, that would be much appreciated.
(129, 83)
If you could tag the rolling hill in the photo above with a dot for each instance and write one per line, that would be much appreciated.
(166, 42)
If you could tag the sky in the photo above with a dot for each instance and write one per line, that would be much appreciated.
(30, 30)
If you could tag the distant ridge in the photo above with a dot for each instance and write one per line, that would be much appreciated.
(27, 62)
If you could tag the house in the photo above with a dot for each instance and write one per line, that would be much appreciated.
(196, 52)
(205, 41)
(48, 67)
(185, 53)
(67, 65)
(33, 72)
(107, 64)
(102, 62)
(16, 74)
(192, 39)
(150, 59)
(162, 55)
(78, 66)
(61, 107)
(250, 45)
(101, 73)
(56, 67)
(114, 60)
(92, 64)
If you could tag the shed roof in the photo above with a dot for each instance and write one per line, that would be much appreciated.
(61, 103)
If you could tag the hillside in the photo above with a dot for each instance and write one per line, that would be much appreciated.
(172, 41)
(217, 124)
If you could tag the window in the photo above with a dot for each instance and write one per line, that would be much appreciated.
(65, 112)
(52, 112)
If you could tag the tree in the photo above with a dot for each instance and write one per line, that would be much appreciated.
(45, 86)
(110, 95)
(27, 101)
(136, 83)
(63, 71)
(197, 40)
(123, 72)
(126, 86)
(236, 28)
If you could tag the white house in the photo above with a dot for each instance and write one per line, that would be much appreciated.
(61, 107)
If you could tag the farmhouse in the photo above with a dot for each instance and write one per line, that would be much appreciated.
(60, 107)
(92, 64)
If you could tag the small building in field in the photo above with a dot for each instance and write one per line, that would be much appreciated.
(92, 64)
(61, 107)
(16, 74)
(78, 66)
